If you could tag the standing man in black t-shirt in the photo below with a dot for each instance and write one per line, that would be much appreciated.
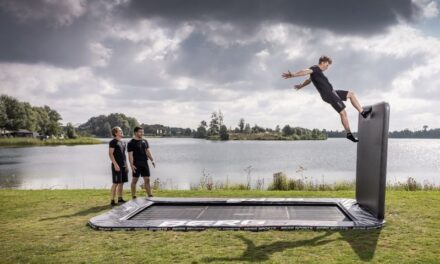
(138, 155)
(330, 96)
(117, 156)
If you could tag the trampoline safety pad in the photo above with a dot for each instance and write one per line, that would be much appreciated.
(236, 214)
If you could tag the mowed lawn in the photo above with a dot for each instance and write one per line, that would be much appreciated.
(50, 226)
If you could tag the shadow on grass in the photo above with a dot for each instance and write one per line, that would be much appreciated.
(363, 243)
(92, 210)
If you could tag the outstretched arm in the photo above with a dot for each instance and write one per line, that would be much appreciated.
(304, 72)
(305, 83)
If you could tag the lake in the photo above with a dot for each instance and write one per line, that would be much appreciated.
(182, 162)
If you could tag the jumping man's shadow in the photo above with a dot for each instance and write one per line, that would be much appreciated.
(363, 243)
(263, 252)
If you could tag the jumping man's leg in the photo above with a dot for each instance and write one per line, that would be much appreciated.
(355, 102)
(344, 120)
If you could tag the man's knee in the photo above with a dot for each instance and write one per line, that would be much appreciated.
(134, 180)
(343, 113)
(147, 180)
(350, 94)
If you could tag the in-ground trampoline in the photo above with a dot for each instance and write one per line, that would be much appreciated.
(366, 212)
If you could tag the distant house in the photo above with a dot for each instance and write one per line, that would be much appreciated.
(5, 133)
(24, 133)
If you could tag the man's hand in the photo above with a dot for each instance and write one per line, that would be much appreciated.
(154, 164)
(287, 75)
(133, 168)
(298, 86)
(117, 167)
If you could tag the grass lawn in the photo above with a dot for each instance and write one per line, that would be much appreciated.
(49, 226)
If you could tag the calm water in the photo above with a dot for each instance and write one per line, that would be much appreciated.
(182, 162)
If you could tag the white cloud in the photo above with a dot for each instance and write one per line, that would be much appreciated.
(428, 8)
(101, 54)
(71, 92)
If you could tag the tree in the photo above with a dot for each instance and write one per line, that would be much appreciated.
(425, 127)
(14, 113)
(277, 129)
(54, 124)
(214, 124)
(3, 115)
(247, 128)
(241, 125)
(201, 130)
(224, 133)
(70, 131)
(287, 130)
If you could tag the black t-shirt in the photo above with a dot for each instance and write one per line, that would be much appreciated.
(139, 149)
(321, 82)
(119, 152)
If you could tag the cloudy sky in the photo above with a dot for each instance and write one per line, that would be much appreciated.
(174, 62)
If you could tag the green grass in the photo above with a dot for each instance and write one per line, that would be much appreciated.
(49, 226)
(24, 142)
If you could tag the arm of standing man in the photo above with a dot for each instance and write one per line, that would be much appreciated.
(112, 158)
(150, 156)
(130, 158)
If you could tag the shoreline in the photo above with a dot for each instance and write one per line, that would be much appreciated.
(30, 142)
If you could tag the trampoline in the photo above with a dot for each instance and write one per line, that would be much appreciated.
(364, 212)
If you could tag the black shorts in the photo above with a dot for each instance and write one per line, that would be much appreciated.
(141, 170)
(335, 99)
(119, 176)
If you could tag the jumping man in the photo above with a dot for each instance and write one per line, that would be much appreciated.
(330, 96)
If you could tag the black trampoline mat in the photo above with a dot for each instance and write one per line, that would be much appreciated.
(329, 212)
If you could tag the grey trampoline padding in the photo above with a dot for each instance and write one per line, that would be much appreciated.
(242, 212)
(236, 214)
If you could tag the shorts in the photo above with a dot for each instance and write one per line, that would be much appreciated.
(335, 99)
(119, 176)
(141, 170)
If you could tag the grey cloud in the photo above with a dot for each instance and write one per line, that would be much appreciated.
(352, 17)
(35, 42)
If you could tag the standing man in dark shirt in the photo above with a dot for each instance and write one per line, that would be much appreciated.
(138, 155)
(330, 96)
(117, 156)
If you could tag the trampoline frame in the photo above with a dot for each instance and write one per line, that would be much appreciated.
(366, 212)
(121, 217)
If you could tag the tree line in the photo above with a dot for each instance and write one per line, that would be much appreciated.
(406, 133)
(15, 115)
(100, 126)
(216, 129)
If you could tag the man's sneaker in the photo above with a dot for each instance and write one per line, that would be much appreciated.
(150, 195)
(366, 112)
(133, 197)
(112, 203)
(351, 137)
(121, 201)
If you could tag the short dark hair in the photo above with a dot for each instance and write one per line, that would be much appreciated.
(136, 129)
(325, 59)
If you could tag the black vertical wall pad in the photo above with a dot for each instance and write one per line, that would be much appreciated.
(371, 164)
